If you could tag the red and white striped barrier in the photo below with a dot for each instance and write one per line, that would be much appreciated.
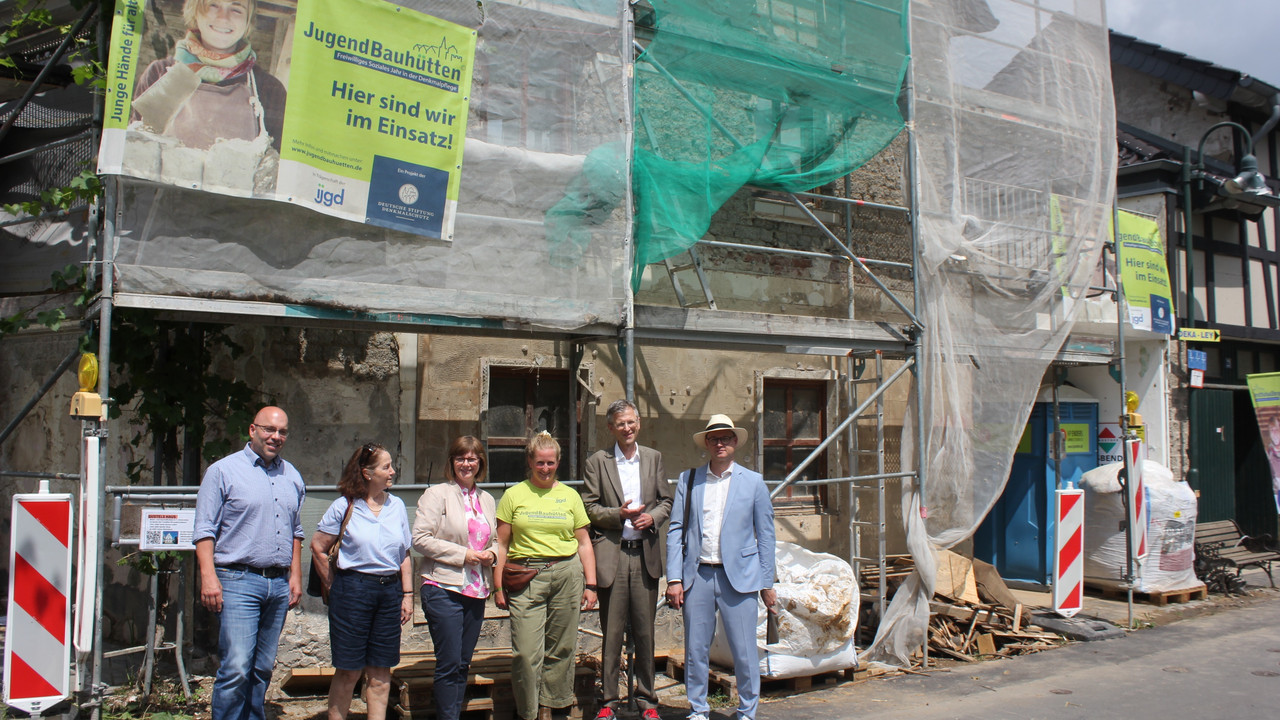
(1138, 511)
(1068, 560)
(37, 661)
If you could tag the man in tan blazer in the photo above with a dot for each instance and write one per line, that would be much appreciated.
(629, 501)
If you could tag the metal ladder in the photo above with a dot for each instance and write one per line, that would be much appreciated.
(695, 264)
(873, 486)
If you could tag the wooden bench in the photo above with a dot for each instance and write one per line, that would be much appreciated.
(1221, 543)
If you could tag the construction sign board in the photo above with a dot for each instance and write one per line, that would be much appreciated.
(37, 649)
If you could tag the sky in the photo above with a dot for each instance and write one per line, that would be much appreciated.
(1242, 35)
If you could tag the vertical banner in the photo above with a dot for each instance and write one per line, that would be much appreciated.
(353, 108)
(1264, 391)
(1138, 510)
(89, 557)
(1144, 273)
(1068, 559)
(37, 659)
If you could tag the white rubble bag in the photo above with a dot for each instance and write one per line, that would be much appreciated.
(1171, 530)
(818, 602)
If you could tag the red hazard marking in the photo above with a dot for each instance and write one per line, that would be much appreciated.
(31, 683)
(1106, 433)
(39, 598)
(1075, 598)
(55, 516)
(1068, 502)
(1070, 551)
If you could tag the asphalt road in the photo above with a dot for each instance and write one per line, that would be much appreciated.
(1225, 665)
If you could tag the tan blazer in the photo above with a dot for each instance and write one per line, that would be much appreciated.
(602, 495)
(440, 532)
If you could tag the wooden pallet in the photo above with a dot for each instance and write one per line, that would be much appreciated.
(488, 695)
(1153, 598)
(725, 680)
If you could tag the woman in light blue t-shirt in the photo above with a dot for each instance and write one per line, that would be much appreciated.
(371, 594)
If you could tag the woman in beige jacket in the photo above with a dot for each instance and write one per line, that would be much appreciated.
(455, 530)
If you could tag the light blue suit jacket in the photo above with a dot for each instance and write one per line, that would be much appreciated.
(746, 535)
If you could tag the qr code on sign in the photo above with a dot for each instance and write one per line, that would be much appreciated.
(153, 537)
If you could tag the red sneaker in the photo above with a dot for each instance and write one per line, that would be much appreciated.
(649, 714)
(606, 713)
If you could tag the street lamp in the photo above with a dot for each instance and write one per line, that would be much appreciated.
(1248, 186)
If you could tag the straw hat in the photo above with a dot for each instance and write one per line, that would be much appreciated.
(719, 422)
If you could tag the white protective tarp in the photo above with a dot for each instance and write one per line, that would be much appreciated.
(818, 602)
(1015, 122)
(1171, 530)
(549, 115)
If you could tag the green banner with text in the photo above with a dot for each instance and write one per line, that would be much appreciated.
(353, 108)
(1145, 274)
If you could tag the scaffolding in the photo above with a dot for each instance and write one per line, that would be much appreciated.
(593, 253)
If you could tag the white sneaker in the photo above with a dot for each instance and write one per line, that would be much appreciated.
(697, 716)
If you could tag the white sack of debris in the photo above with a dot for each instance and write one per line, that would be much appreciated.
(818, 602)
(1171, 530)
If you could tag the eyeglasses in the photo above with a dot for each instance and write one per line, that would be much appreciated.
(467, 460)
(723, 439)
(368, 451)
(272, 430)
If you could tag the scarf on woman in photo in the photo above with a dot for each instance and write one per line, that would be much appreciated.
(212, 66)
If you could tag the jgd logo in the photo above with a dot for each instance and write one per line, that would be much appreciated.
(329, 199)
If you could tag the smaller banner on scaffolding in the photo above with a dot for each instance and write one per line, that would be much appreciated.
(1264, 390)
(1144, 274)
(352, 108)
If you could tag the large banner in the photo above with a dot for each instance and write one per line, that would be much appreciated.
(353, 108)
(1145, 274)
(1264, 390)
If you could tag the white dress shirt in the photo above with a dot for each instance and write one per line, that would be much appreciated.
(629, 476)
(714, 496)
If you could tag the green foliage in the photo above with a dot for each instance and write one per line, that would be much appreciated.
(718, 699)
(27, 17)
(51, 313)
(163, 373)
(83, 188)
(150, 563)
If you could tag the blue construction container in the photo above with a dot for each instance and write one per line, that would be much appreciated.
(1017, 535)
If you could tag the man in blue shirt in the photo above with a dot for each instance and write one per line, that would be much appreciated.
(248, 537)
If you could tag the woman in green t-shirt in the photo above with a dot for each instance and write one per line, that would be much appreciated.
(542, 525)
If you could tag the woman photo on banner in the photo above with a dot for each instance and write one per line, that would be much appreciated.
(213, 89)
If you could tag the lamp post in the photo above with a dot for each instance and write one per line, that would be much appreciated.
(1247, 183)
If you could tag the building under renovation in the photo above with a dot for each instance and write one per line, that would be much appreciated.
(862, 229)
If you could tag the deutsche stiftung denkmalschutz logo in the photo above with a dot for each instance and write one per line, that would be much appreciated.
(408, 194)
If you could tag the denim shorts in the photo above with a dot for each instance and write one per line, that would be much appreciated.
(364, 621)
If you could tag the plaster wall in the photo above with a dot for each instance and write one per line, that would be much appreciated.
(1168, 110)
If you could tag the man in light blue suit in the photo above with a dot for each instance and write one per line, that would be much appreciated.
(719, 555)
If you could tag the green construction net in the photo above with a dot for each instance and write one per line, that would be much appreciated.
(781, 95)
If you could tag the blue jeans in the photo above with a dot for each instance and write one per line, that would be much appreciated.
(253, 613)
(455, 622)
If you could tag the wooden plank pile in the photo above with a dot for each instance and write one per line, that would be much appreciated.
(975, 615)
(488, 693)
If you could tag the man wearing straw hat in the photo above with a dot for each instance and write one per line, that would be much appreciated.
(719, 555)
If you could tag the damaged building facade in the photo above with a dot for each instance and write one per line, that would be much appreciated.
(649, 209)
